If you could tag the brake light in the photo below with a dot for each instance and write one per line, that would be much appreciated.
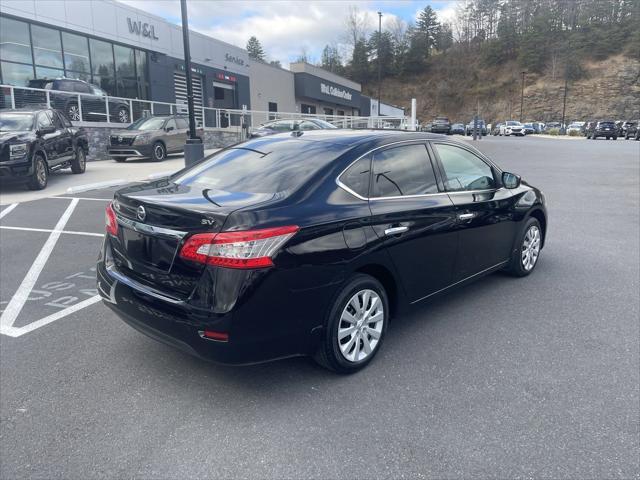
(247, 249)
(111, 220)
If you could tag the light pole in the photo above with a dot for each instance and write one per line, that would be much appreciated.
(379, 59)
(522, 96)
(194, 148)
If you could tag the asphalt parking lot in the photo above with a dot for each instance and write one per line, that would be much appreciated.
(533, 377)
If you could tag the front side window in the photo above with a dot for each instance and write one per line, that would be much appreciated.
(43, 121)
(403, 170)
(171, 125)
(182, 123)
(463, 170)
(357, 176)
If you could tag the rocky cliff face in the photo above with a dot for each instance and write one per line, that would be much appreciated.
(608, 89)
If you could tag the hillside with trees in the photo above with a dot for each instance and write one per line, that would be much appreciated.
(475, 62)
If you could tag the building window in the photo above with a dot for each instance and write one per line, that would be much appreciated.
(126, 83)
(76, 55)
(273, 107)
(47, 47)
(311, 109)
(16, 73)
(15, 45)
(328, 111)
(141, 72)
(341, 113)
(102, 65)
(218, 93)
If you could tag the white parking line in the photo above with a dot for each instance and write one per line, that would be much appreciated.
(18, 331)
(7, 210)
(85, 198)
(18, 300)
(46, 230)
(94, 186)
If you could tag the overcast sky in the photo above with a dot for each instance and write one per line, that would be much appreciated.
(286, 28)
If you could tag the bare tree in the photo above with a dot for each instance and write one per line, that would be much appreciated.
(357, 24)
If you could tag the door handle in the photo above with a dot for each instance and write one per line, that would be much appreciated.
(466, 216)
(396, 230)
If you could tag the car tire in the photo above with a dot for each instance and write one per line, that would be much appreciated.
(73, 111)
(615, 137)
(526, 253)
(122, 115)
(158, 152)
(626, 136)
(40, 177)
(120, 159)
(607, 138)
(362, 293)
(79, 163)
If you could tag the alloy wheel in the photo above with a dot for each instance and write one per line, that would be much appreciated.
(158, 152)
(41, 172)
(123, 116)
(531, 248)
(74, 113)
(360, 325)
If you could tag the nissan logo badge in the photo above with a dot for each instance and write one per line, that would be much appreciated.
(141, 213)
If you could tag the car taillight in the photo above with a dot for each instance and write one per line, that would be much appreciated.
(110, 220)
(247, 249)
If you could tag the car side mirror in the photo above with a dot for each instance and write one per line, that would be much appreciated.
(168, 129)
(46, 130)
(510, 180)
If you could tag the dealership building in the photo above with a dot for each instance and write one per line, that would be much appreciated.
(130, 53)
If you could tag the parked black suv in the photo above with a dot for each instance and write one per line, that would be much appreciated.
(441, 125)
(35, 142)
(92, 101)
(605, 129)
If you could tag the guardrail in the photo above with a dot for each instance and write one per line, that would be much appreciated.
(82, 108)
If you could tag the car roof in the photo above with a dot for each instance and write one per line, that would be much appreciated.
(356, 136)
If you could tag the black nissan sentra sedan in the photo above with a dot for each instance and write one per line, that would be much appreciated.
(309, 243)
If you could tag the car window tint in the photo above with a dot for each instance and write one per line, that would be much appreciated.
(404, 170)
(63, 118)
(170, 124)
(81, 87)
(267, 165)
(56, 120)
(357, 176)
(463, 170)
(43, 120)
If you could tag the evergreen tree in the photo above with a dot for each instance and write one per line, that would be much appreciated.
(330, 60)
(359, 67)
(254, 48)
(382, 45)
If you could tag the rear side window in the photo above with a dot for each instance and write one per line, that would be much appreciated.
(463, 170)
(268, 165)
(43, 120)
(357, 176)
(404, 170)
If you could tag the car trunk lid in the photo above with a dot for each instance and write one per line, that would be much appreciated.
(153, 222)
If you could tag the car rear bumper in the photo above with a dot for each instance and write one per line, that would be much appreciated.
(605, 133)
(262, 323)
(440, 129)
(129, 151)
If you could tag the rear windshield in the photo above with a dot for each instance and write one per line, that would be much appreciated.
(512, 123)
(261, 166)
(606, 124)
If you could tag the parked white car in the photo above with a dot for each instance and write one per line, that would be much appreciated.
(512, 127)
(575, 127)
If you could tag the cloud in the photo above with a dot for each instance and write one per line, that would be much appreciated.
(285, 28)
